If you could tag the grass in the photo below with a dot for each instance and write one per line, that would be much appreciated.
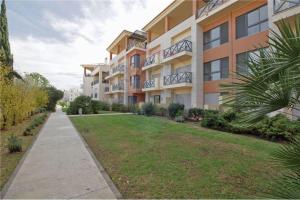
(150, 157)
(9, 161)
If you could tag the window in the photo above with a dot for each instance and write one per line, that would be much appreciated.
(135, 60)
(156, 99)
(241, 61)
(135, 81)
(216, 36)
(252, 22)
(216, 70)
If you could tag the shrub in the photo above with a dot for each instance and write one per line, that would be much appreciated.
(14, 144)
(161, 111)
(195, 113)
(117, 107)
(174, 108)
(27, 131)
(179, 116)
(133, 108)
(214, 120)
(148, 109)
(83, 102)
(278, 127)
(99, 106)
(230, 115)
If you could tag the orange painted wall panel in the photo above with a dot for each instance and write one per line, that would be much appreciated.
(233, 46)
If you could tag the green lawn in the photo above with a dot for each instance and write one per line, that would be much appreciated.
(150, 157)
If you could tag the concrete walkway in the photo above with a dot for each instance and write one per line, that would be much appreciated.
(59, 166)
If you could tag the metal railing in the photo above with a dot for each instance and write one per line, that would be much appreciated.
(210, 5)
(184, 45)
(118, 86)
(106, 89)
(183, 77)
(94, 82)
(151, 59)
(149, 84)
(119, 68)
(136, 43)
(281, 5)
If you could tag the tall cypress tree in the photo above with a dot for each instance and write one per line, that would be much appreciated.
(6, 58)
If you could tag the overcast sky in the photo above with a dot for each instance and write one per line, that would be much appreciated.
(53, 37)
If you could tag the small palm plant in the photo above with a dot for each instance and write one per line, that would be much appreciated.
(288, 185)
(273, 83)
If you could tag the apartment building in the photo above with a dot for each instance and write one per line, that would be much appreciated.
(94, 82)
(194, 46)
(127, 55)
(188, 50)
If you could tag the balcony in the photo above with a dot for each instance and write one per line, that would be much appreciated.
(210, 5)
(95, 82)
(179, 50)
(118, 70)
(281, 5)
(152, 85)
(183, 79)
(119, 87)
(136, 44)
(152, 61)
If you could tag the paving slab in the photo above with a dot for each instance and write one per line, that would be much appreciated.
(59, 166)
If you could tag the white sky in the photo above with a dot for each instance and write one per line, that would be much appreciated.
(54, 42)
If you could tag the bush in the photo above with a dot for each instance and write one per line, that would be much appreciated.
(14, 144)
(179, 116)
(27, 131)
(83, 102)
(161, 111)
(195, 113)
(214, 120)
(278, 127)
(99, 106)
(134, 108)
(230, 115)
(174, 108)
(148, 109)
(117, 107)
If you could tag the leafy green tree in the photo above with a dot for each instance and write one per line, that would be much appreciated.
(83, 102)
(38, 79)
(54, 95)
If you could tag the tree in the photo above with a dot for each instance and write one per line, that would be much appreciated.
(54, 95)
(6, 58)
(38, 79)
(273, 81)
